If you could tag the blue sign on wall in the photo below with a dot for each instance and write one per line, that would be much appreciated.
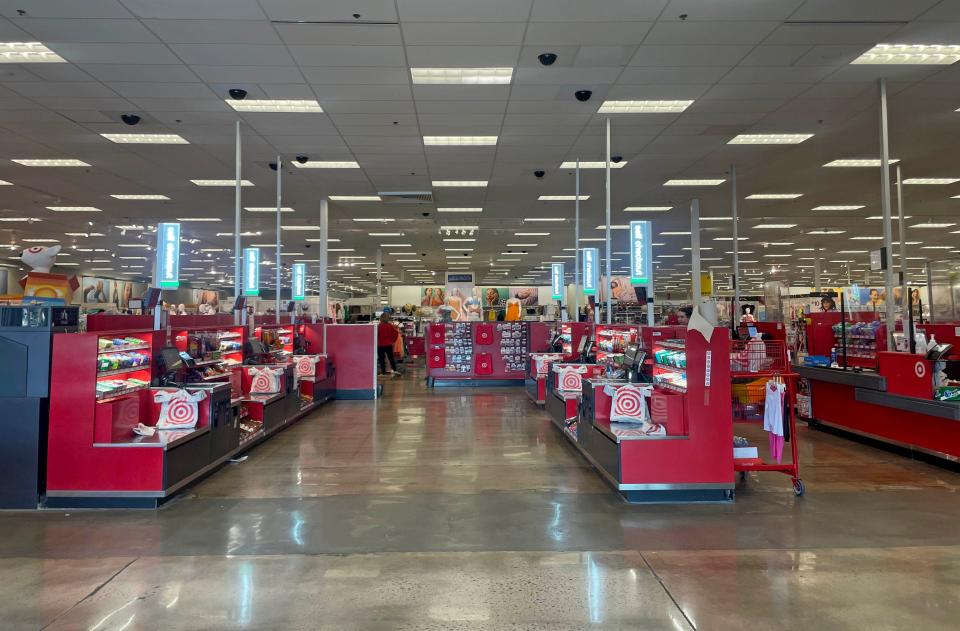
(168, 255)
(251, 272)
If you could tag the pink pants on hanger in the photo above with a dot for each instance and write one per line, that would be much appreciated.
(776, 446)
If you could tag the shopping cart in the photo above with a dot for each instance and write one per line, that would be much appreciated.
(753, 364)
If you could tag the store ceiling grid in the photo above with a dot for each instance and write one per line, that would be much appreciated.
(778, 66)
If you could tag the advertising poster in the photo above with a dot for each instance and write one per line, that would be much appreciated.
(623, 291)
(528, 296)
(207, 300)
(432, 296)
(107, 290)
(495, 296)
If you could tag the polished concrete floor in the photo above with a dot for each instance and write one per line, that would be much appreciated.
(466, 509)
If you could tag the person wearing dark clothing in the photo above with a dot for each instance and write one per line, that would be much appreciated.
(386, 337)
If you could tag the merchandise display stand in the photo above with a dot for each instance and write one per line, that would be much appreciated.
(538, 371)
(612, 341)
(564, 390)
(571, 335)
(477, 353)
(276, 337)
(216, 346)
(352, 348)
(693, 461)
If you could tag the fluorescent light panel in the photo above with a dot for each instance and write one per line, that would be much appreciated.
(459, 141)
(459, 210)
(354, 198)
(461, 76)
(293, 106)
(267, 209)
(910, 54)
(221, 182)
(592, 165)
(146, 197)
(643, 107)
(774, 196)
(327, 164)
(562, 198)
(839, 207)
(931, 180)
(775, 226)
(858, 162)
(146, 139)
(200, 219)
(50, 162)
(694, 182)
(647, 209)
(769, 139)
(27, 53)
(74, 209)
(460, 183)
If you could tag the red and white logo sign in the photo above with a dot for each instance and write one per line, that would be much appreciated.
(920, 369)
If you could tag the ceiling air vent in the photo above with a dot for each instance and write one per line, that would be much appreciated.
(406, 197)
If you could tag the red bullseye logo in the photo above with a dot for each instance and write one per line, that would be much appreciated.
(628, 402)
(180, 412)
(920, 369)
(260, 383)
(305, 367)
(570, 380)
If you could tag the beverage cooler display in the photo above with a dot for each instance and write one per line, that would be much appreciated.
(486, 353)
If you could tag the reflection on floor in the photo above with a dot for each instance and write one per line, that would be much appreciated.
(465, 509)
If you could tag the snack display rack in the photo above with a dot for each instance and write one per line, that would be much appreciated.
(613, 339)
(215, 349)
(276, 337)
(124, 364)
(863, 341)
(570, 335)
(690, 457)
(481, 353)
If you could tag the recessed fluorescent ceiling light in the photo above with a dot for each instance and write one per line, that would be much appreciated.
(878, 238)
(146, 139)
(460, 183)
(932, 224)
(716, 218)
(775, 226)
(267, 209)
(141, 197)
(51, 162)
(593, 165)
(542, 219)
(693, 182)
(461, 76)
(275, 105)
(206, 219)
(531, 234)
(372, 219)
(859, 162)
(931, 180)
(647, 209)
(354, 198)
(769, 139)
(459, 141)
(27, 53)
(936, 247)
(221, 182)
(562, 198)
(301, 228)
(826, 231)
(74, 209)
(675, 233)
(643, 107)
(774, 196)
(515, 245)
(841, 207)
(910, 54)
(881, 217)
(327, 164)
(614, 227)
(459, 210)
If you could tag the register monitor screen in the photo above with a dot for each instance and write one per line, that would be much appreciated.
(630, 356)
(169, 360)
(256, 347)
(151, 298)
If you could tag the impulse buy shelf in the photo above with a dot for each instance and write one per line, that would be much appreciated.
(693, 461)
(481, 353)
(101, 389)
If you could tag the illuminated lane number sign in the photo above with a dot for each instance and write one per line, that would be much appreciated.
(640, 252)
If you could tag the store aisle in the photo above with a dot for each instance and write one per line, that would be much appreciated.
(465, 509)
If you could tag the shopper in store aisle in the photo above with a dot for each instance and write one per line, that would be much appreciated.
(386, 337)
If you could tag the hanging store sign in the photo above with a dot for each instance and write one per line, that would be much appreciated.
(251, 272)
(556, 281)
(591, 270)
(640, 253)
(299, 281)
(168, 255)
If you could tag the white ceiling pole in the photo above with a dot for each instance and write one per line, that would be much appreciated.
(609, 261)
(237, 248)
(885, 199)
(736, 244)
(324, 241)
(279, 239)
(695, 252)
(905, 301)
(379, 277)
(576, 247)
(816, 271)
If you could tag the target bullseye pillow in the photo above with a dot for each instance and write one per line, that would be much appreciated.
(178, 408)
(264, 381)
(630, 404)
(570, 378)
(306, 365)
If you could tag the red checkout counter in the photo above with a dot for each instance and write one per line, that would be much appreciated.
(692, 461)
(482, 353)
(894, 406)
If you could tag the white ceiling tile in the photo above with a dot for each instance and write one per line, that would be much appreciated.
(541, 107)
(57, 88)
(369, 107)
(90, 30)
(832, 56)
(65, 9)
(597, 56)
(755, 90)
(735, 105)
(132, 72)
(357, 76)
(862, 10)
(327, 93)
(461, 107)
(729, 10)
(822, 33)
(586, 33)
(561, 76)
(232, 54)
(331, 10)
(462, 92)
(464, 10)
(386, 118)
(682, 75)
(700, 33)
(164, 90)
(244, 75)
(92, 103)
(59, 72)
(870, 73)
(471, 33)
(691, 55)
(608, 11)
(939, 31)
(342, 35)
(214, 31)
(154, 104)
(386, 56)
(196, 9)
(663, 92)
(288, 91)
(765, 74)
(91, 53)
(462, 56)
(774, 55)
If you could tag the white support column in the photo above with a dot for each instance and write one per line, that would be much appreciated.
(885, 199)
(379, 272)
(576, 248)
(609, 261)
(817, 286)
(237, 246)
(905, 300)
(279, 237)
(695, 252)
(736, 243)
(324, 245)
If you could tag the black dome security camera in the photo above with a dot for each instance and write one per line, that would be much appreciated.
(547, 59)
(616, 159)
(539, 173)
(273, 166)
(583, 95)
(130, 119)
(302, 159)
(425, 214)
(237, 94)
